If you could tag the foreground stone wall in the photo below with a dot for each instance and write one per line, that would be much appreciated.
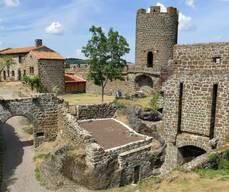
(41, 110)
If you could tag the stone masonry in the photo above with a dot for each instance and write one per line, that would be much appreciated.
(41, 110)
(196, 108)
(156, 32)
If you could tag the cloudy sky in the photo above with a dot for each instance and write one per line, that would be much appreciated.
(63, 24)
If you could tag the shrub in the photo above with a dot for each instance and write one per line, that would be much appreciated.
(214, 160)
(34, 82)
(153, 102)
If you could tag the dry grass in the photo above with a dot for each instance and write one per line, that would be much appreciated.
(179, 182)
(144, 102)
(86, 98)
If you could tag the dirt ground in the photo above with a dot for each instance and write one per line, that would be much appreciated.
(110, 133)
(14, 89)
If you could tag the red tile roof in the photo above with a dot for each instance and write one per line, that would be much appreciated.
(71, 78)
(11, 51)
(47, 55)
(41, 52)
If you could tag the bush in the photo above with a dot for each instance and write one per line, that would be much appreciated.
(34, 82)
(153, 102)
(214, 160)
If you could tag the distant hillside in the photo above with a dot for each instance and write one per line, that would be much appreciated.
(70, 61)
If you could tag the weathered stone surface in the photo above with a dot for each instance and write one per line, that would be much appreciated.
(41, 110)
(96, 111)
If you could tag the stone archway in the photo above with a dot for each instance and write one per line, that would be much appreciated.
(143, 81)
(41, 110)
(188, 153)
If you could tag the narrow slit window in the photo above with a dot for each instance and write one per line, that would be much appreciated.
(180, 107)
(213, 110)
(150, 59)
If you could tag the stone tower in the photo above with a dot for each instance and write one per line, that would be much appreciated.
(156, 34)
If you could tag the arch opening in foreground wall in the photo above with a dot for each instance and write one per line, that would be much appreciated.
(41, 111)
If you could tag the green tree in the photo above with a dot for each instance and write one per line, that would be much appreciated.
(5, 61)
(104, 53)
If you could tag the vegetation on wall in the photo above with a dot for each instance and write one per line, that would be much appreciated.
(35, 83)
(105, 54)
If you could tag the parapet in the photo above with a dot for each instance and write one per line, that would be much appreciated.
(157, 9)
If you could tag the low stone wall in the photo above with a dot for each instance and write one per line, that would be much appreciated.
(96, 111)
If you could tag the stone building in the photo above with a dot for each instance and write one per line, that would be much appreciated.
(196, 108)
(156, 34)
(36, 60)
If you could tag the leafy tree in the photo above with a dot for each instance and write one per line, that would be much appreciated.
(104, 53)
(5, 61)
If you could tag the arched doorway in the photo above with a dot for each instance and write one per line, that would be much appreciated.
(143, 81)
(150, 59)
(188, 153)
(17, 134)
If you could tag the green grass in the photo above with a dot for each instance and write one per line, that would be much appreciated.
(86, 98)
(143, 102)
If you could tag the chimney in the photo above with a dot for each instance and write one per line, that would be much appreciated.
(38, 42)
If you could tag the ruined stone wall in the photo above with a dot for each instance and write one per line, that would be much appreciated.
(156, 32)
(51, 73)
(95, 111)
(41, 110)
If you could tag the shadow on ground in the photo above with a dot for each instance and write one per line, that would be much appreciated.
(13, 153)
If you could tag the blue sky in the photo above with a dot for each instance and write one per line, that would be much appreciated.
(63, 24)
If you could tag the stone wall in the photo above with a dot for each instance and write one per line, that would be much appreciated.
(189, 119)
(41, 110)
(95, 111)
(156, 32)
(51, 73)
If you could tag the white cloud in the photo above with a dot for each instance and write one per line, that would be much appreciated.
(190, 3)
(163, 7)
(185, 23)
(79, 54)
(12, 3)
(55, 28)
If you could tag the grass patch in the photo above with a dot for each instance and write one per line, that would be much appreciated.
(86, 98)
(143, 102)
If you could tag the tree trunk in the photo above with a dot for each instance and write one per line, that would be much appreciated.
(102, 94)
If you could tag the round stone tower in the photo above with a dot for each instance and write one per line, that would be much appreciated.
(156, 34)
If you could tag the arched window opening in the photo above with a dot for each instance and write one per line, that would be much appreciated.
(150, 59)
(12, 73)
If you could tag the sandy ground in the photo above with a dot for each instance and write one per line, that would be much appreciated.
(18, 171)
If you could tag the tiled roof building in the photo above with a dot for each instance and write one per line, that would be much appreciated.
(36, 60)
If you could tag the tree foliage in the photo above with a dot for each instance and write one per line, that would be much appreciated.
(104, 53)
(34, 82)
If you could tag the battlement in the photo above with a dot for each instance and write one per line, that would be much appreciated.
(156, 10)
